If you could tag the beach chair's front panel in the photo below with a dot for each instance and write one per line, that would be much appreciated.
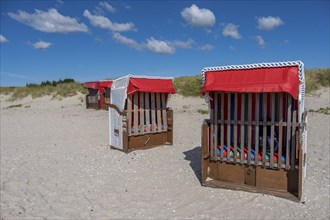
(149, 120)
(92, 99)
(254, 139)
(116, 129)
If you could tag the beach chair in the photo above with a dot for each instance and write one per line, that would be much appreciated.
(255, 138)
(93, 96)
(138, 114)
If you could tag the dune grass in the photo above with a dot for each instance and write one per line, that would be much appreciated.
(316, 78)
(188, 85)
(58, 91)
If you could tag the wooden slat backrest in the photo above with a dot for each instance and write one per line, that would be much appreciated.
(228, 126)
(249, 127)
(216, 100)
(264, 129)
(147, 111)
(129, 113)
(136, 113)
(280, 130)
(212, 136)
(272, 129)
(235, 126)
(153, 112)
(242, 127)
(222, 134)
(293, 140)
(264, 132)
(256, 130)
(164, 116)
(288, 132)
(159, 116)
(142, 108)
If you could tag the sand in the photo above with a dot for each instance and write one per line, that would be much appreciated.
(56, 164)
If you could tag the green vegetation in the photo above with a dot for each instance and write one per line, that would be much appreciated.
(325, 111)
(15, 106)
(202, 111)
(186, 106)
(57, 89)
(315, 78)
(188, 85)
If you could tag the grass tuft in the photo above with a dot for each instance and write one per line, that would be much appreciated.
(325, 111)
(14, 106)
(202, 111)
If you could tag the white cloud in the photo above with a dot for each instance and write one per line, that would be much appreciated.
(198, 17)
(156, 46)
(207, 47)
(260, 41)
(107, 6)
(231, 30)
(3, 39)
(182, 44)
(103, 22)
(41, 45)
(232, 48)
(127, 41)
(269, 23)
(49, 21)
(159, 46)
(59, 3)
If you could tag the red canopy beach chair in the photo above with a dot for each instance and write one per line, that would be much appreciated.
(93, 97)
(138, 113)
(255, 138)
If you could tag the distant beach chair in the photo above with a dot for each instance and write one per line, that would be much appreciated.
(93, 96)
(255, 138)
(138, 114)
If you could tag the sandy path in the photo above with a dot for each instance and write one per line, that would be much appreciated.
(56, 164)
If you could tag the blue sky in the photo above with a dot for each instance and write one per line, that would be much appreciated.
(95, 40)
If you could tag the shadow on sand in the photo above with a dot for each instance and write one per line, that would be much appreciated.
(194, 157)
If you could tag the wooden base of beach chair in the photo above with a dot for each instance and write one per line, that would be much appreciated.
(284, 183)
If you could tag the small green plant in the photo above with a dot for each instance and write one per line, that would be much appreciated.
(15, 106)
(186, 106)
(325, 111)
(202, 111)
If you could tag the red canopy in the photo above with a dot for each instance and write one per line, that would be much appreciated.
(150, 85)
(274, 79)
(91, 85)
(106, 84)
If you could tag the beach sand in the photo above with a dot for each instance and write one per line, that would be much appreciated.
(56, 164)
